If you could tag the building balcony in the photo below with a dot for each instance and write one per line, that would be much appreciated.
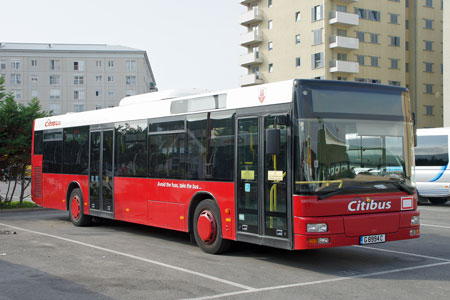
(343, 42)
(250, 17)
(341, 66)
(250, 79)
(343, 18)
(251, 38)
(250, 59)
(247, 2)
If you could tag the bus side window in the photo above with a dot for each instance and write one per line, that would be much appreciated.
(38, 146)
(52, 161)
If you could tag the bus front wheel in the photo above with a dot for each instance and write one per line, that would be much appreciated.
(208, 228)
(76, 213)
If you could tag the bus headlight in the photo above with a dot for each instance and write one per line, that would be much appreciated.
(320, 227)
(415, 220)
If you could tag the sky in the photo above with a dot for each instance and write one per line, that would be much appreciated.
(190, 44)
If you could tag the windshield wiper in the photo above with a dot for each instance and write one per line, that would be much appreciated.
(344, 189)
(400, 185)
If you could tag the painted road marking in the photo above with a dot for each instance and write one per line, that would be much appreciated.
(320, 281)
(437, 226)
(403, 253)
(235, 284)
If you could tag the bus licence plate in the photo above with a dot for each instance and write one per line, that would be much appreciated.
(372, 239)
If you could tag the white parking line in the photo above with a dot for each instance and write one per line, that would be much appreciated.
(403, 253)
(238, 285)
(433, 209)
(320, 281)
(437, 226)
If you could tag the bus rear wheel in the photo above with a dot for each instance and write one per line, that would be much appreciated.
(438, 200)
(76, 213)
(208, 228)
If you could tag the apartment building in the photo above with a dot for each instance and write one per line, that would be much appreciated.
(396, 42)
(446, 63)
(74, 77)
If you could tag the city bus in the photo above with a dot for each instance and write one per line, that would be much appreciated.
(431, 173)
(297, 164)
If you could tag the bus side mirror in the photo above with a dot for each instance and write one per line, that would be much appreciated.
(414, 129)
(272, 141)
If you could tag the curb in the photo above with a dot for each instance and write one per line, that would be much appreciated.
(16, 210)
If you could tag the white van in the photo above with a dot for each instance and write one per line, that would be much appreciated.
(432, 172)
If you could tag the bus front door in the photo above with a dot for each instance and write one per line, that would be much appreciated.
(101, 173)
(263, 192)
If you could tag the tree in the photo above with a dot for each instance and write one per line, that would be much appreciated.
(16, 129)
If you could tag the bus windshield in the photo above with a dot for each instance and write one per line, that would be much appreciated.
(344, 155)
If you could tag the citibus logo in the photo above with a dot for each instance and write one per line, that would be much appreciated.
(51, 123)
(359, 204)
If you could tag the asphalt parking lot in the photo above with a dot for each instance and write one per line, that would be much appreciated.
(43, 256)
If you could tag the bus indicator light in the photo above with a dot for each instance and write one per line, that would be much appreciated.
(227, 211)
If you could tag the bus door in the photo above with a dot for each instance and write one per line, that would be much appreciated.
(263, 202)
(101, 183)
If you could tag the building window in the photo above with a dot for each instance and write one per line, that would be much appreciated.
(394, 63)
(270, 46)
(374, 61)
(406, 24)
(55, 94)
(406, 67)
(15, 65)
(131, 65)
(342, 56)
(130, 79)
(130, 93)
(341, 32)
(256, 72)
(428, 3)
(111, 64)
(428, 24)
(2, 65)
(17, 94)
(98, 93)
(111, 94)
(98, 106)
(34, 93)
(428, 67)
(78, 107)
(269, 24)
(342, 78)
(99, 78)
(78, 79)
(318, 36)
(297, 39)
(78, 65)
(374, 38)
(395, 41)
(55, 79)
(360, 36)
(428, 46)
(361, 12)
(428, 110)
(34, 63)
(34, 78)
(269, 5)
(374, 15)
(317, 13)
(54, 64)
(78, 94)
(270, 68)
(111, 78)
(406, 46)
(98, 63)
(393, 18)
(55, 108)
(298, 62)
(317, 60)
(341, 8)
(361, 60)
(428, 88)
(297, 16)
(16, 79)
(394, 83)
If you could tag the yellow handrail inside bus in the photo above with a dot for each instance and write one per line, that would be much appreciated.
(322, 181)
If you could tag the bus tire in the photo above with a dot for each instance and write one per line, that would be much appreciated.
(437, 200)
(76, 213)
(208, 228)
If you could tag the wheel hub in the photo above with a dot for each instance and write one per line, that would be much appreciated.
(206, 227)
(76, 211)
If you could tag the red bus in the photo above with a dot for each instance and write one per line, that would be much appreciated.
(298, 164)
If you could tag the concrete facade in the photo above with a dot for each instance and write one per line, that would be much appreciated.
(365, 40)
(74, 77)
(446, 63)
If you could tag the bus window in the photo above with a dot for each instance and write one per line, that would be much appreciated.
(432, 150)
(38, 136)
(76, 150)
(52, 152)
(131, 149)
